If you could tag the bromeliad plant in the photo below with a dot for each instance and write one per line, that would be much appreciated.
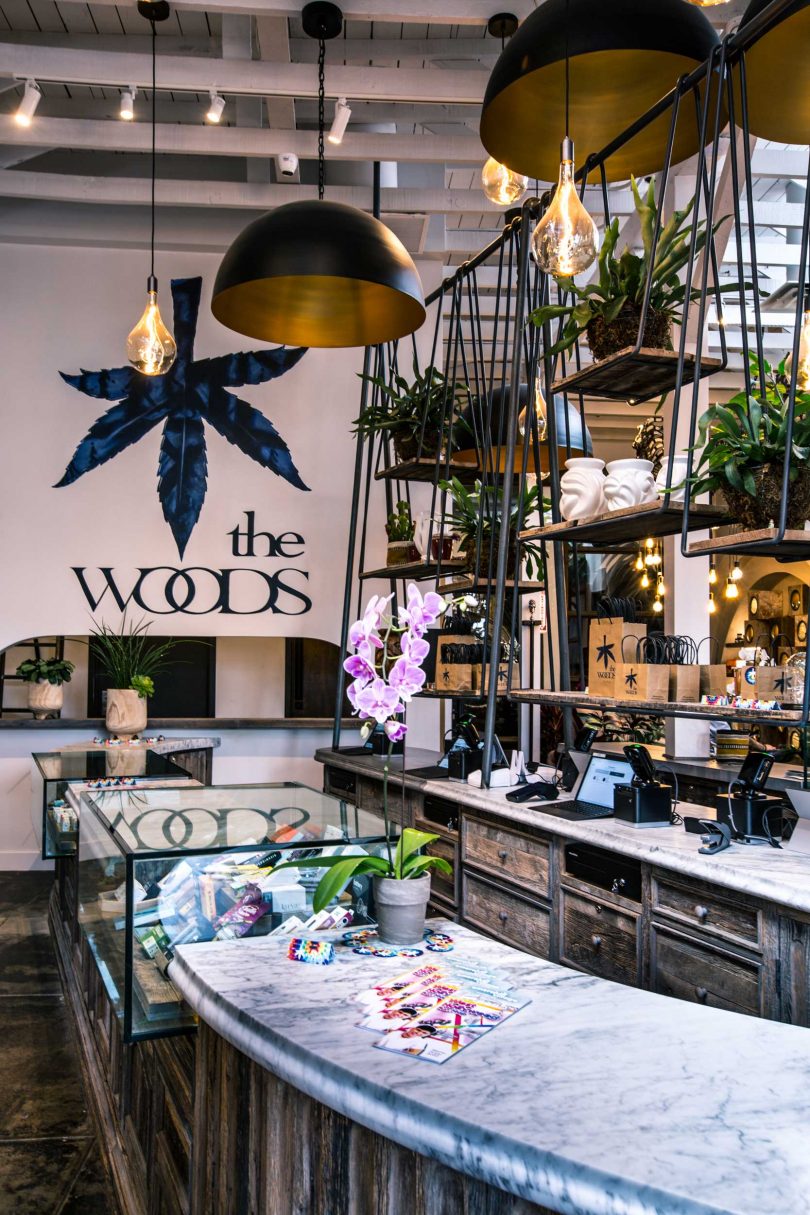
(742, 446)
(127, 658)
(400, 526)
(427, 410)
(609, 310)
(477, 513)
(46, 670)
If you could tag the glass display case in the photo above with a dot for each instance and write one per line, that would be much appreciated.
(120, 768)
(161, 868)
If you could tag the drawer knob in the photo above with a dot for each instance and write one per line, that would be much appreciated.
(503, 916)
(596, 942)
(702, 913)
(503, 854)
(618, 885)
(598, 909)
(701, 994)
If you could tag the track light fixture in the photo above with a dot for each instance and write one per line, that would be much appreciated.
(127, 107)
(28, 104)
(340, 121)
(216, 106)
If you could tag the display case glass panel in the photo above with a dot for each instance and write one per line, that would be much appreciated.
(164, 867)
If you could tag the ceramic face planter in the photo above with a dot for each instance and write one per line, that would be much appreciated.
(679, 470)
(629, 483)
(582, 488)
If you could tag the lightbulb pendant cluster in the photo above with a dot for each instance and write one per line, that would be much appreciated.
(538, 404)
(151, 349)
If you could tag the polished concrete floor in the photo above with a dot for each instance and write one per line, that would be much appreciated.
(50, 1160)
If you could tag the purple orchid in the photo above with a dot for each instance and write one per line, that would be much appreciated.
(360, 668)
(414, 648)
(378, 700)
(421, 611)
(366, 630)
(395, 731)
(406, 678)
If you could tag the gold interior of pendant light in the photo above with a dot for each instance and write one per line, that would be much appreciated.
(777, 69)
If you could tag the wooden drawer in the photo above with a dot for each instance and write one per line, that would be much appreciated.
(598, 938)
(507, 917)
(692, 970)
(370, 798)
(339, 783)
(440, 884)
(519, 859)
(708, 910)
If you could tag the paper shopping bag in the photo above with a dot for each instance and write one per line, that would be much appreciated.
(642, 681)
(606, 638)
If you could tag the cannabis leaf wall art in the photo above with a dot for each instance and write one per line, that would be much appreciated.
(192, 392)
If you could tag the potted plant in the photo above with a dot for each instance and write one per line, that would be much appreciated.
(420, 417)
(742, 450)
(477, 513)
(386, 671)
(45, 677)
(130, 663)
(400, 529)
(608, 311)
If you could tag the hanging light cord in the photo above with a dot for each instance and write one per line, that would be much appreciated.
(567, 67)
(154, 78)
(321, 115)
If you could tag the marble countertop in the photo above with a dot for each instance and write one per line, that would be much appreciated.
(167, 746)
(780, 876)
(595, 1099)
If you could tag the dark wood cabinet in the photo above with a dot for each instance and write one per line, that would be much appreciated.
(599, 938)
(794, 968)
(502, 914)
(704, 973)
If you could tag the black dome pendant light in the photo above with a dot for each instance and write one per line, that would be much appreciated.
(319, 273)
(625, 55)
(777, 70)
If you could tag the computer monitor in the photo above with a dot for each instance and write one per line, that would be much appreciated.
(600, 778)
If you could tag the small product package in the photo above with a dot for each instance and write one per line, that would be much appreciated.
(321, 953)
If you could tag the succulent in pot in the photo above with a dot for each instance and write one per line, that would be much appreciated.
(477, 520)
(401, 530)
(129, 659)
(421, 417)
(45, 677)
(608, 311)
(742, 446)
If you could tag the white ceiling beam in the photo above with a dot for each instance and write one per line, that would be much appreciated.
(201, 140)
(420, 12)
(170, 44)
(304, 50)
(246, 77)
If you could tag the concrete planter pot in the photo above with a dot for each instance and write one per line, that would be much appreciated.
(45, 698)
(401, 909)
(126, 712)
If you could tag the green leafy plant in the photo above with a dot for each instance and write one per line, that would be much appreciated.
(621, 283)
(478, 511)
(749, 432)
(427, 408)
(127, 658)
(626, 727)
(400, 526)
(404, 863)
(46, 670)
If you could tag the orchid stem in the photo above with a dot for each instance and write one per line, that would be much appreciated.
(385, 808)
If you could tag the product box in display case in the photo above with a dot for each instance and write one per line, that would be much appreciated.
(163, 867)
(121, 768)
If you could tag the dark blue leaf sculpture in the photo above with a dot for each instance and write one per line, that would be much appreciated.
(190, 393)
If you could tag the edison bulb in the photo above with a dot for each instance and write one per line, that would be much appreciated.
(566, 240)
(501, 185)
(657, 605)
(712, 574)
(707, 3)
(639, 562)
(645, 580)
(661, 588)
(540, 413)
(712, 606)
(150, 347)
(732, 591)
(737, 573)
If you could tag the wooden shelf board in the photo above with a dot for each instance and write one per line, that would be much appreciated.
(424, 469)
(581, 700)
(794, 546)
(634, 376)
(418, 570)
(472, 585)
(438, 694)
(630, 523)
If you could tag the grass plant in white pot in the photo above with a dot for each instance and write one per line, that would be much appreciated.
(129, 660)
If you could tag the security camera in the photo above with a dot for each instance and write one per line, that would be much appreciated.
(287, 164)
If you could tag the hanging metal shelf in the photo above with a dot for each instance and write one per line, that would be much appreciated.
(794, 546)
(631, 523)
(473, 584)
(608, 704)
(635, 375)
(417, 571)
(424, 469)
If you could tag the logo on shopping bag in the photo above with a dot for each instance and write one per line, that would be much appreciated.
(605, 652)
(780, 683)
(631, 679)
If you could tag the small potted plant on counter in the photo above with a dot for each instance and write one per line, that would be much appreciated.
(477, 515)
(608, 311)
(401, 530)
(743, 446)
(45, 677)
(130, 660)
(420, 418)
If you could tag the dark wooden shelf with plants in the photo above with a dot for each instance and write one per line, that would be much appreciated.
(762, 542)
(470, 583)
(418, 571)
(666, 708)
(630, 523)
(635, 375)
(424, 468)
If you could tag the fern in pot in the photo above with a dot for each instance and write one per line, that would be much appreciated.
(130, 661)
(608, 311)
(742, 446)
(422, 416)
(477, 515)
(45, 677)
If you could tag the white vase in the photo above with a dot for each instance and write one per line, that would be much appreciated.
(126, 712)
(680, 466)
(45, 698)
(629, 483)
(583, 488)
(401, 908)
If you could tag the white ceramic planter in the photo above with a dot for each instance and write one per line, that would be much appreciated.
(582, 488)
(126, 712)
(629, 483)
(680, 466)
(401, 908)
(45, 698)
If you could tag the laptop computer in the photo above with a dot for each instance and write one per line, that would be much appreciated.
(592, 796)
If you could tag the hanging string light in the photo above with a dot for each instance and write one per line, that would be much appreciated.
(712, 606)
(639, 564)
(712, 572)
(499, 183)
(736, 572)
(732, 591)
(151, 348)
